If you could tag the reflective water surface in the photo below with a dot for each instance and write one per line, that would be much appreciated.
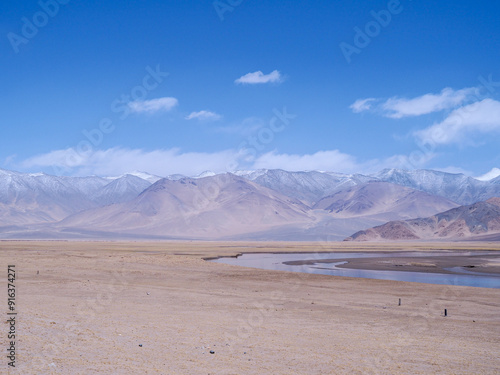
(461, 276)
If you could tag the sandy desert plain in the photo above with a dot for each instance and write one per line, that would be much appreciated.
(160, 308)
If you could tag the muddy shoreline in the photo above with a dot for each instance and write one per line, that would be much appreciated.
(487, 264)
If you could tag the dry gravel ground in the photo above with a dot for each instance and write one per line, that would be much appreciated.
(93, 304)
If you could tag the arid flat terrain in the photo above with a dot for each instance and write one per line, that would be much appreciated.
(160, 308)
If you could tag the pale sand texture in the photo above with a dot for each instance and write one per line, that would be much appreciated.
(88, 310)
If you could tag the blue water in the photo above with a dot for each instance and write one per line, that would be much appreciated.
(461, 276)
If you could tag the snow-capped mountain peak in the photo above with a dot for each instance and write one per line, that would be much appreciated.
(151, 178)
(205, 174)
(146, 176)
(494, 173)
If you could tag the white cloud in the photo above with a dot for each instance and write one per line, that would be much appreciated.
(115, 161)
(204, 116)
(422, 105)
(362, 105)
(494, 173)
(333, 160)
(259, 77)
(10, 159)
(480, 117)
(153, 105)
(337, 161)
(425, 104)
(245, 128)
(66, 159)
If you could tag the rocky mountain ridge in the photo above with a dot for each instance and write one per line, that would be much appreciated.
(476, 221)
(271, 204)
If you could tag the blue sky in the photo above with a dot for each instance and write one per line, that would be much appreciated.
(186, 86)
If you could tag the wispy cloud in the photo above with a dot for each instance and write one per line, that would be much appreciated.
(259, 77)
(481, 117)
(9, 159)
(362, 105)
(494, 173)
(115, 161)
(153, 105)
(322, 160)
(428, 103)
(204, 116)
(398, 107)
(246, 127)
(329, 160)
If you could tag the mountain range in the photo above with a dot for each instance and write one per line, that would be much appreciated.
(478, 221)
(263, 204)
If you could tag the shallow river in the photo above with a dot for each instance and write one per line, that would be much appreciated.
(461, 276)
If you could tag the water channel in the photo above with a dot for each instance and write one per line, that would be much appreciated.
(328, 264)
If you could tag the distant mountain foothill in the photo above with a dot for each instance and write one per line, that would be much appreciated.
(251, 205)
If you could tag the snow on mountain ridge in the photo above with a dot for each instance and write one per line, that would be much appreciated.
(455, 186)
(308, 186)
(491, 175)
(142, 175)
(121, 190)
(205, 174)
(30, 198)
(251, 175)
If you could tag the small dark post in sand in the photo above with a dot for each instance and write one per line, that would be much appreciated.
(399, 302)
(445, 312)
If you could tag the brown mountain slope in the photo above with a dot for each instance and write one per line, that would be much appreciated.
(481, 219)
(384, 200)
(211, 207)
(231, 207)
